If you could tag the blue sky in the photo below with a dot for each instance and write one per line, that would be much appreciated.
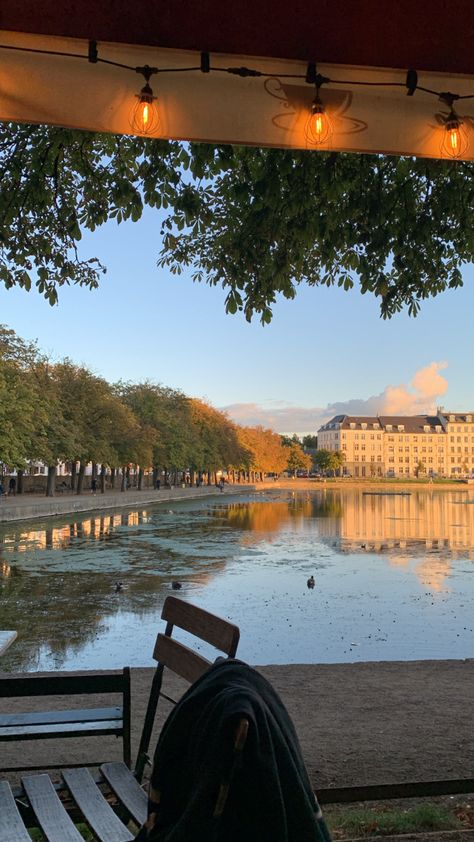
(323, 349)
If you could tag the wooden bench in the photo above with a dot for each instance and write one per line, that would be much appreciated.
(109, 801)
(76, 722)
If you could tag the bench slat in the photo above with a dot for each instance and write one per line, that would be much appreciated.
(127, 790)
(87, 683)
(180, 658)
(50, 813)
(218, 632)
(65, 729)
(93, 806)
(12, 828)
(46, 717)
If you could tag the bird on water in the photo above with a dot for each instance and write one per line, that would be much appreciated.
(176, 586)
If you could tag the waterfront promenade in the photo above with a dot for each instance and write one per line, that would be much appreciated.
(33, 506)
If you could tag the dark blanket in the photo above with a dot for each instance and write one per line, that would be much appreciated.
(270, 798)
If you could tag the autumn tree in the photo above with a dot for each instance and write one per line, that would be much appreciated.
(265, 451)
(165, 413)
(217, 444)
(298, 460)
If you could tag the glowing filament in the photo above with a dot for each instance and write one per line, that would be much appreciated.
(454, 139)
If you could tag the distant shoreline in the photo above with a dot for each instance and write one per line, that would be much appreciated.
(36, 506)
(383, 484)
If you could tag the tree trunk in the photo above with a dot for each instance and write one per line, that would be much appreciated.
(94, 471)
(127, 477)
(51, 482)
(123, 486)
(73, 475)
(19, 482)
(209, 481)
(102, 479)
(112, 477)
(140, 479)
(80, 477)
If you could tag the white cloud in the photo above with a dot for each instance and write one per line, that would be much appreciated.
(420, 396)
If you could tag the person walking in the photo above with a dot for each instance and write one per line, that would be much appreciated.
(12, 487)
(93, 485)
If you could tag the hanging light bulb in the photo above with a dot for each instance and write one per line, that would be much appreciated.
(145, 118)
(318, 126)
(455, 141)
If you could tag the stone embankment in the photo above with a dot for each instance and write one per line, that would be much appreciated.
(31, 507)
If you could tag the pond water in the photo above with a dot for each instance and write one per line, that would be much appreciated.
(394, 577)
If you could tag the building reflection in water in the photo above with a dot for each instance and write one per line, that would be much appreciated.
(60, 538)
(426, 527)
(402, 527)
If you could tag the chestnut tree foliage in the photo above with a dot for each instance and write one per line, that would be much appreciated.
(259, 222)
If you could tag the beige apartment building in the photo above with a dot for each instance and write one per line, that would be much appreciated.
(384, 445)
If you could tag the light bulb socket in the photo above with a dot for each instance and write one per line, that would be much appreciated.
(146, 94)
(452, 121)
(317, 107)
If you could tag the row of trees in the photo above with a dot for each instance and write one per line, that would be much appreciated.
(63, 412)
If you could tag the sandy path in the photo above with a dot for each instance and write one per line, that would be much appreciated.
(357, 723)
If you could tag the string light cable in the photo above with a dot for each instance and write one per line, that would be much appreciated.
(145, 118)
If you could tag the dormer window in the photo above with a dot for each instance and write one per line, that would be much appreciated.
(376, 426)
(468, 418)
(400, 427)
(352, 425)
(364, 425)
(426, 428)
(389, 427)
(452, 418)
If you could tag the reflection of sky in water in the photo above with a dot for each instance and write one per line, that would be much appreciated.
(393, 578)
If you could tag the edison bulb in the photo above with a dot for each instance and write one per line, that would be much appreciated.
(318, 126)
(145, 117)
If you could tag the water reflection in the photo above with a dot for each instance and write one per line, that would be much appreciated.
(373, 556)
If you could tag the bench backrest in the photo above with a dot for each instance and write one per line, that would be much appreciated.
(181, 659)
(60, 723)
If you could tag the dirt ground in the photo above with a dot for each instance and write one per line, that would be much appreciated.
(380, 722)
